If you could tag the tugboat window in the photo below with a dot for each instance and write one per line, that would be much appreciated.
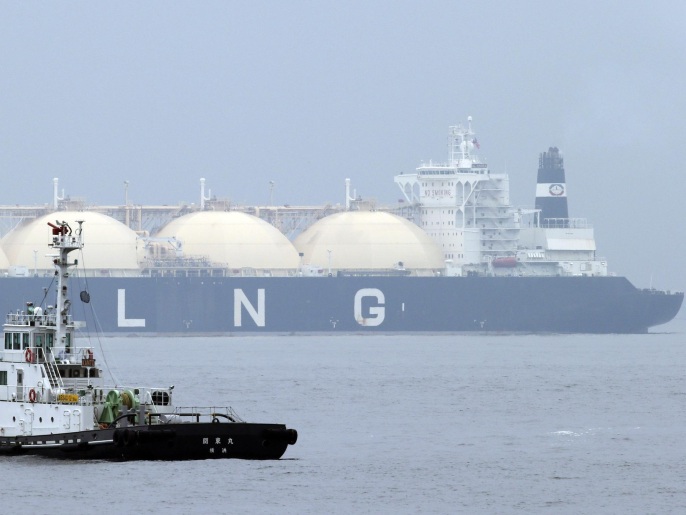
(160, 398)
(3, 377)
(8, 341)
(20, 385)
(25, 340)
(15, 341)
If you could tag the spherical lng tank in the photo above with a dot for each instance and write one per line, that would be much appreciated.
(368, 240)
(233, 240)
(110, 248)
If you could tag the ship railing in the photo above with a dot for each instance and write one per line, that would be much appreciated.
(86, 392)
(655, 291)
(156, 399)
(207, 413)
(13, 393)
(565, 223)
(389, 272)
(73, 356)
(31, 319)
(61, 395)
(32, 355)
(41, 394)
(78, 392)
(218, 272)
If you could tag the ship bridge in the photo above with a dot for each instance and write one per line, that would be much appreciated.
(462, 205)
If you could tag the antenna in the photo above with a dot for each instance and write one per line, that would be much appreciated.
(55, 197)
(204, 198)
(126, 203)
(348, 198)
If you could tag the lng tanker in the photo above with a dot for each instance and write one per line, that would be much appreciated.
(453, 256)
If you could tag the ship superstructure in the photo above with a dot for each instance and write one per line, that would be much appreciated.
(465, 208)
(462, 205)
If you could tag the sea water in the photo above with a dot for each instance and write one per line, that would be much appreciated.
(401, 424)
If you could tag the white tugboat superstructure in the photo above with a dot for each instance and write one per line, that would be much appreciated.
(48, 384)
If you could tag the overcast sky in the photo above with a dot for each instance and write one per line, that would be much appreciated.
(306, 94)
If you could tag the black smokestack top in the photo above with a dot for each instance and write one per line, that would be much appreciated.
(551, 189)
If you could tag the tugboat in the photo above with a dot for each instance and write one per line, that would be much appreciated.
(54, 401)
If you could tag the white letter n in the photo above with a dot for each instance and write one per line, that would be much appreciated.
(240, 300)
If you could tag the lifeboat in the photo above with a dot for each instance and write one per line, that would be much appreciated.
(505, 262)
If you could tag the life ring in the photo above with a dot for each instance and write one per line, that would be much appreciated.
(28, 355)
(32, 395)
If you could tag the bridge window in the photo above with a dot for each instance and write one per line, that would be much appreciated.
(3, 377)
(25, 340)
(8, 341)
(16, 344)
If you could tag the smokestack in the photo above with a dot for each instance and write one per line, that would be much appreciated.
(551, 189)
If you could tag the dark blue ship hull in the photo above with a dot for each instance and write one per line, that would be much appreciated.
(366, 304)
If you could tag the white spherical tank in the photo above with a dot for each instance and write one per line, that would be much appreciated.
(232, 239)
(368, 240)
(109, 246)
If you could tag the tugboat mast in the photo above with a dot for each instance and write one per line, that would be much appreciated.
(64, 240)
